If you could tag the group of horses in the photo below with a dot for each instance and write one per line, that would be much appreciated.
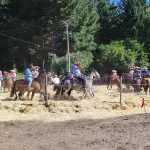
(137, 84)
(65, 87)
(38, 86)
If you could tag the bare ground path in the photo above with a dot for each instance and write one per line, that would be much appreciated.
(91, 124)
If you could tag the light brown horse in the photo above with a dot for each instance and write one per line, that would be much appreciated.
(8, 82)
(111, 81)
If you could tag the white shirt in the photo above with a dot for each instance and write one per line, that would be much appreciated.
(56, 80)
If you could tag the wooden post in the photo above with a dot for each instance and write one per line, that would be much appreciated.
(45, 96)
(121, 90)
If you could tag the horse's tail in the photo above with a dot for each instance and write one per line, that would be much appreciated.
(13, 90)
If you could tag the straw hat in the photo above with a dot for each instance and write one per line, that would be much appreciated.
(31, 65)
(137, 67)
(114, 71)
(36, 67)
(13, 71)
(145, 68)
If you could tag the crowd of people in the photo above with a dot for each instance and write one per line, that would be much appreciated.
(138, 73)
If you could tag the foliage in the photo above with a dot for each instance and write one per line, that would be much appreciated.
(100, 33)
(20, 75)
(84, 21)
(121, 55)
(59, 64)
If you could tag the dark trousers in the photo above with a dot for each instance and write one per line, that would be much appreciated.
(81, 79)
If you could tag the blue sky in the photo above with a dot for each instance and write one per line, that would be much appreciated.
(116, 1)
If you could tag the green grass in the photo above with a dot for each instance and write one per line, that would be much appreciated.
(20, 75)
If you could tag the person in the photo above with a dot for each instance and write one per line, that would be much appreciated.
(29, 76)
(77, 73)
(36, 72)
(130, 74)
(13, 75)
(114, 74)
(137, 73)
(56, 82)
(144, 72)
(70, 77)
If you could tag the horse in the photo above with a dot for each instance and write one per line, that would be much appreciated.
(21, 87)
(111, 81)
(146, 84)
(41, 80)
(8, 82)
(67, 87)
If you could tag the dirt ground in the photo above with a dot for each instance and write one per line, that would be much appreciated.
(90, 124)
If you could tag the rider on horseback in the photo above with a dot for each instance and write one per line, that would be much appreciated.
(77, 73)
(137, 73)
(29, 76)
(130, 74)
(114, 74)
(145, 72)
(36, 72)
(13, 75)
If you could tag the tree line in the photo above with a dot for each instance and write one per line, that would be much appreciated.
(102, 35)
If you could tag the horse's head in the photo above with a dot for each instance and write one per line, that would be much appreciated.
(96, 74)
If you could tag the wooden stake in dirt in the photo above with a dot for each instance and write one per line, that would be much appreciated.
(45, 96)
(121, 90)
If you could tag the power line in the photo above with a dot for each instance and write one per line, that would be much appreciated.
(25, 41)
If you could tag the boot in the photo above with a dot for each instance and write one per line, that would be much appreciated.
(30, 89)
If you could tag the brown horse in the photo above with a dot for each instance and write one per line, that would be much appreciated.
(21, 87)
(111, 81)
(8, 82)
(146, 84)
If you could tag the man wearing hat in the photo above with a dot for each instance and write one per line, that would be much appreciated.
(13, 75)
(77, 73)
(137, 75)
(145, 72)
(130, 74)
(29, 76)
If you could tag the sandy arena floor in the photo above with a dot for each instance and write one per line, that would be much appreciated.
(90, 124)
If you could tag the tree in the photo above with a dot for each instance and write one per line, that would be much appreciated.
(59, 64)
(133, 12)
(84, 24)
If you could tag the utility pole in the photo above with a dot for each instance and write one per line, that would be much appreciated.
(68, 52)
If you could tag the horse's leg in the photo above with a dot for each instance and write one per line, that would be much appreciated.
(19, 95)
(69, 92)
(32, 95)
(16, 95)
(84, 94)
(92, 93)
(28, 95)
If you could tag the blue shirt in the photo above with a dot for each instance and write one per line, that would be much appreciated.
(145, 73)
(76, 71)
(28, 74)
(137, 74)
